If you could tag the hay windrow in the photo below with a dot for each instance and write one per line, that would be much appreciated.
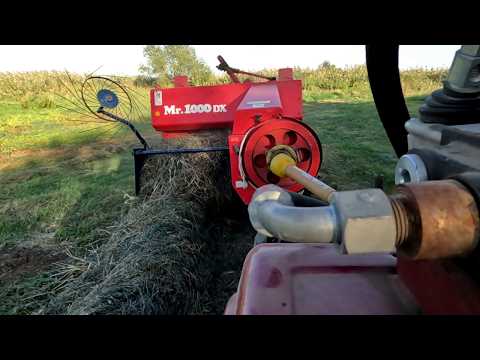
(173, 252)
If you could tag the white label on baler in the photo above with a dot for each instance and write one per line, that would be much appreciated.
(194, 109)
(158, 98)
(258, 103)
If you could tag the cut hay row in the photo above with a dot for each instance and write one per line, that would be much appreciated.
(175, 252)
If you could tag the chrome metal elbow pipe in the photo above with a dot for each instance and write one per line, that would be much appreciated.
(361, 221)
(273, 214)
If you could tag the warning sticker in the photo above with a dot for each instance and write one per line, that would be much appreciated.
(158, 98)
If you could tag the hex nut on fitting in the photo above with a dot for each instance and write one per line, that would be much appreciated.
(367, 222)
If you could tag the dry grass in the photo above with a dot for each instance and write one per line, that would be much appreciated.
(163, 257)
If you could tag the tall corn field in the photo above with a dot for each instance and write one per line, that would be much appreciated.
(40, 87)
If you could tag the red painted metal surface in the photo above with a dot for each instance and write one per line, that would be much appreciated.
(441, 287)
(285, 74)
(195, 108)
(186, 108)
(264, 108)
(280, 132)
(180, 81)
(302, 279)
(252, 110)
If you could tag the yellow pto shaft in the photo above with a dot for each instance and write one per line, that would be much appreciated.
(284, 165)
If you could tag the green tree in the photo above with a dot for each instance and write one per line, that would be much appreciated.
(166, 61)
(326, 65)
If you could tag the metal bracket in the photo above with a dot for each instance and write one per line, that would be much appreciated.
(232, 71)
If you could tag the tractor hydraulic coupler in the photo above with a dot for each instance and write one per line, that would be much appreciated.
(428, 220)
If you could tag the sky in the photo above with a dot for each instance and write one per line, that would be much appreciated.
(126, 59)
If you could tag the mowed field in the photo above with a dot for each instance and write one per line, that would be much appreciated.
(63, 183)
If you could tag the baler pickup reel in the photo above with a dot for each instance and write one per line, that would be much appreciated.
(109, 100)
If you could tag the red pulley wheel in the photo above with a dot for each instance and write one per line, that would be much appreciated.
(295, 134)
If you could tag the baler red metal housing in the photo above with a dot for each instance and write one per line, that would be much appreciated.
(189, 109)
(258, 114)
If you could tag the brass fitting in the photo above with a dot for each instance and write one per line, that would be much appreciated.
(427, 220)
(435, 219)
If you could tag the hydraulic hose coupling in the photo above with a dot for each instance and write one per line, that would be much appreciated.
(429, 220)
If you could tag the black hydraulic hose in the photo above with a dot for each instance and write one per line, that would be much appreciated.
(129, 124)
(384, 78)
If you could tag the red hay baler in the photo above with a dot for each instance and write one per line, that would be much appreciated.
(260, 116)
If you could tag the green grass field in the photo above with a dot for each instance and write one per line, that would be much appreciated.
(63, 183)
